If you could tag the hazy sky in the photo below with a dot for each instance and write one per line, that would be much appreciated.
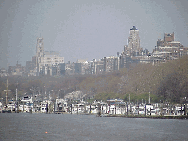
(85, 29)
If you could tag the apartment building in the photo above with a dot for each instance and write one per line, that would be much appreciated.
(169, 48)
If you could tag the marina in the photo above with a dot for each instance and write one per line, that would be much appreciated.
(110, 108)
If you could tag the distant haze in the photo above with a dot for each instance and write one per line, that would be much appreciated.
(85, 29)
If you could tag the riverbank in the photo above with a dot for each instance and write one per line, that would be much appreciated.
(152, 117)
(123, 116)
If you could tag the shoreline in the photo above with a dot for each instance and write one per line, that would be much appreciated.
(122, 116)
(151, 117)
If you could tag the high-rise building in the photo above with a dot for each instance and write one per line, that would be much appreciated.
(133, 48)
(111, 64)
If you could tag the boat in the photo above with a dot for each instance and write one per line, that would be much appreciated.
(6, 111)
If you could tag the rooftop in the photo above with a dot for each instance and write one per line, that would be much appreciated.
(134, 28)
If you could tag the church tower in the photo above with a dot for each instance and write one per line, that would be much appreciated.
(39, 53)
(40, 47)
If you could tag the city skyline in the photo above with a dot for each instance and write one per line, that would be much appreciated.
(85, 30)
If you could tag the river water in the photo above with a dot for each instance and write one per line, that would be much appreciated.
(67, 127)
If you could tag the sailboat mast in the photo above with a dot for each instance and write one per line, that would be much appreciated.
(7, 92)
